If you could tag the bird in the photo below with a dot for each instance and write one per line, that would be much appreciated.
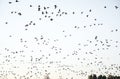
(6, 22)
(30, 5)
(55, 6)
(73, 12)
(90, 10)
(95, 37)
(19, 14)
(10, 2)
(116, 7)
(16, 1)
(105, 7)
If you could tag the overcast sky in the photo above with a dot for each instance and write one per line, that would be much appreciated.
(66, 38)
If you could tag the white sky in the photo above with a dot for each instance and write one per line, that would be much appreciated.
(53, 36)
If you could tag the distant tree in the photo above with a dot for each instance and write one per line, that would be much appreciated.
(47, 77)
(90, 77)
(94, 76)
(99, 77)
(104, 77)
(118, 77)
(110, 77)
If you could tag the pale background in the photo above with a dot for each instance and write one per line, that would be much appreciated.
(73, 39)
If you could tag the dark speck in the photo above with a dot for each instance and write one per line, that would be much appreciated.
(75, 27)
(42, 12)
(73, 12)
(33, 23)
(12, 12)
(38, 8)
(95, 19)
(65, 13)
(6, 22)
(95, 37)
(55, 6)
(84, 26)
(116, 30)
(116, 7)
(63, 31)
(10, 2)
(87, 15)
(26, 29)
(111, 30)
(16, 1)
(81, 12)
(46, 12)
(48, 7)
(19, 14)
(26, 25)
(104, 6)
(30, 5)
(10, 35)
(38, 5)
(45, 16)
(44, 8)
(39, 18)
(90, 10)
(51, 19)
(52, 12)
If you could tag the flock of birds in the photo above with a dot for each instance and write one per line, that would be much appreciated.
(45, 57)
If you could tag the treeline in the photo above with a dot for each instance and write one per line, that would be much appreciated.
(94, 76)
